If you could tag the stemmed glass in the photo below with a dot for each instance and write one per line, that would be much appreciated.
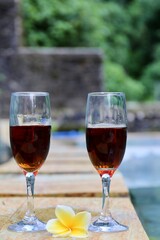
(106, 133)
(30, 131)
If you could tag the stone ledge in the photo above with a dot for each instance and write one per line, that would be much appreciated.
(75, 51)
(143, 116)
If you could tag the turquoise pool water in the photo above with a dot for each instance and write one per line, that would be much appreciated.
(141, 170)
(147, 204)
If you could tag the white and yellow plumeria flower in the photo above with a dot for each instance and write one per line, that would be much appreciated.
(69, 224)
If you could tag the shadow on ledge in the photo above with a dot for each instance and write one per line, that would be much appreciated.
(5, 152)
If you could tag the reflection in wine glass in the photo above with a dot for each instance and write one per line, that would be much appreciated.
(30, 131)
(106, 133)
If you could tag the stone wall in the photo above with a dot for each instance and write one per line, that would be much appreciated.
(67, 74)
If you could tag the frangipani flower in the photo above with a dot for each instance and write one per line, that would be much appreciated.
(69, 224)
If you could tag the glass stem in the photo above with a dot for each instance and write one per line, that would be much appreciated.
(105, 213)
(30, 180)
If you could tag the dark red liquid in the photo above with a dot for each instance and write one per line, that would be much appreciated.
(30, 145)
(106, 147)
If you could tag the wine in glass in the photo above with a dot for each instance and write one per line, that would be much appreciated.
(30, 132)
(106, 133)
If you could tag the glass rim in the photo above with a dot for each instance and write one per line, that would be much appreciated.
(28, 93)
(105, 93)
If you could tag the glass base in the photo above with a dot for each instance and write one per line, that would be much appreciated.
(26, 226)
(107, 224)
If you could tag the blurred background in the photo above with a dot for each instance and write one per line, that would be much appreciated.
(70, 48)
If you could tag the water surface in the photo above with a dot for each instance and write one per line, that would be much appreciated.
(141, 170)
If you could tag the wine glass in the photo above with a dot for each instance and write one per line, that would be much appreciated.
(30, 131)
(106, 133)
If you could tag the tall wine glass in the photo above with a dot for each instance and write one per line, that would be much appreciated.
(30, 131)
(106, 133)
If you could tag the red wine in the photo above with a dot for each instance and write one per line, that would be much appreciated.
(106, 147)
(30, 145)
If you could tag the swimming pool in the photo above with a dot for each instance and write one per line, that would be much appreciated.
(141, 170)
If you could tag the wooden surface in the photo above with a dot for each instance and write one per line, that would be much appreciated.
(61, 185)
(67, 177)
(67, 171)
(13, 210)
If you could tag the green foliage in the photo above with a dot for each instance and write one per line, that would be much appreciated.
(59, 23)
(128, 31)
(118, 80)
(151, 80)
(157, 52)
(115, 30)
(145, 34)
(77, 23)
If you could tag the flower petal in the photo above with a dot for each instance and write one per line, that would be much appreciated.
(65, 215)
(64, 234)
(54, 226)
(82, 220)
(79, 233)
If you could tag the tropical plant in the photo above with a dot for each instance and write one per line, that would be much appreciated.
(128, 32)
(116, 79)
